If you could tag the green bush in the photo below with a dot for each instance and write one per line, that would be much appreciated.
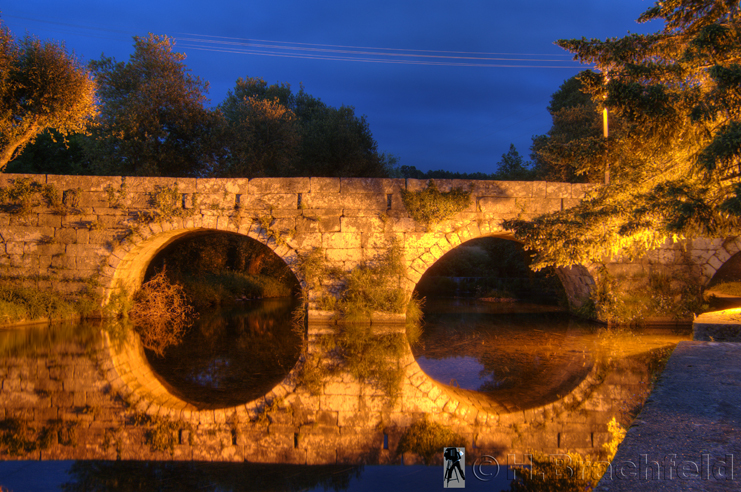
(227, 287)
(29, 304)
(428, 439)
(628, 301)
(430, 206)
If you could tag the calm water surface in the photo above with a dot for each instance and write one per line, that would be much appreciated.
(232, 356)
(520, 355)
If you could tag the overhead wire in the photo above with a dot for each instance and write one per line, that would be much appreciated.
(346, 53)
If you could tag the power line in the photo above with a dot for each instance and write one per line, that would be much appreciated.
(376, 48)
(344, 53)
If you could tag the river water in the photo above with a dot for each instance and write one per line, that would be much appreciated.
(518, 355)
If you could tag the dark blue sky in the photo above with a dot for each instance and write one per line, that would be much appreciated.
(431, 111)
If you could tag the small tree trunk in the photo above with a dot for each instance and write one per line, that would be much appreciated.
(7, 153)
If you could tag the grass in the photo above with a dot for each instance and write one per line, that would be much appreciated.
(227, 287)
(428, 439)
(726, 288)
(31, 304)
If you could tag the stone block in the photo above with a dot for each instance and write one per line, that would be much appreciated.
(538, 206)
(356, 201)
(361, 224)
(497, 205)
(371, 185)
(338, 403)
(340, 240)
(580, 190)
(135, 184)
(325, 185)
(220, 186)
(558, 190)
(265, 202)
(260, 186)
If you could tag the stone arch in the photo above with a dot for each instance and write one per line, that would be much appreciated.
(709, 256)
(426, 249)
(126, 265)
(722, 261)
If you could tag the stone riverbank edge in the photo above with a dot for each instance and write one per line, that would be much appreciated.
(687, 437)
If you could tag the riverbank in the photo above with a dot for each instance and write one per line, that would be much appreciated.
(687, 434)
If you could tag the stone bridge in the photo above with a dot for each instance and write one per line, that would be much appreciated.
(70, 233)
(80, 232)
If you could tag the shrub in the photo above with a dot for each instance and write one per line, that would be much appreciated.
(430, 206)
(428, 439)
(161, 313)
(28, 303)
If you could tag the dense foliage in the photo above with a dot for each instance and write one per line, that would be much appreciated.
(430, 206)
(575, 137)
(674, 163)
(272, 131)
(153, 121)
(41, 86)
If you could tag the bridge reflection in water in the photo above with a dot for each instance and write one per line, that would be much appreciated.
(77, 392)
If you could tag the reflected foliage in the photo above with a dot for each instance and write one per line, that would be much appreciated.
(42, 339)
(231, 357)
(523, 359)
(428, 439)
(130, 476)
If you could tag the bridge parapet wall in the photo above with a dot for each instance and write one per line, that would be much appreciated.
(101, 232)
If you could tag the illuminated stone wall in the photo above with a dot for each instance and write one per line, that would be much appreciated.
(103, 402)
(102, 232)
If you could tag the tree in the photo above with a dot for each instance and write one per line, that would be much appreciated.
(262, 134)
(575, 137)
(52, 153)
(41, 87)
(676, 168)
(512, 167)
(335, 142)
(152, 121)
(274, 132)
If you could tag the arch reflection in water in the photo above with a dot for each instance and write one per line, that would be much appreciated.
(232, 356)
(522, 355)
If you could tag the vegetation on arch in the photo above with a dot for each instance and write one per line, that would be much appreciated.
(430, 206)
(372, 286)
(675, 161)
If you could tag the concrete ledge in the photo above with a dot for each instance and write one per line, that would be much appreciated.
(718, 326)
(687, 435)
